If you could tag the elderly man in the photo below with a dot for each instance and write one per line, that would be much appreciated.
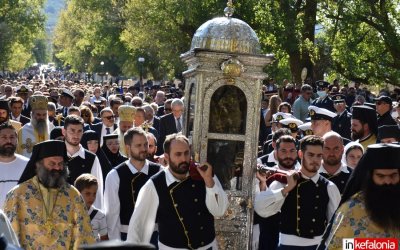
(38, 129)
(126, 116)
(51, 213)
(106, 126)
(171, 123)
(370, 205)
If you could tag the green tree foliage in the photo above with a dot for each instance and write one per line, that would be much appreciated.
(364, 38)
(21, 23)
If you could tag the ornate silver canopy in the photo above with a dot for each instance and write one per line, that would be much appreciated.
(226, 34)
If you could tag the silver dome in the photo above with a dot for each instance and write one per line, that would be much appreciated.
(226, 34)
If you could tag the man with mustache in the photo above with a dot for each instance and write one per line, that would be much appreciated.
(183, 203)
(38, 129)
(45, 211)
(364, 125)
(5, 115)
(124, 182)
(11, 164)
(286, 155)
(306, 204)
(370, 204)
(332, 167)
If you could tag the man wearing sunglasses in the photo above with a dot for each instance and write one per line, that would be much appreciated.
(107, 124)
(384, 108)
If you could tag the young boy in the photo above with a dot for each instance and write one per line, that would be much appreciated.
(87, 185)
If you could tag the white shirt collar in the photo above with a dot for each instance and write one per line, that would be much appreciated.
(80, 153)
(144, 170)
(315, 178)
(170, 178)
(343, 168)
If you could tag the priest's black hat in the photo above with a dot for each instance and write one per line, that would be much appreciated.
(42, 150)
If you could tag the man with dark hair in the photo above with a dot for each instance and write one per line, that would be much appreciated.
(180, 200)
(81, 160)
(286, 154)
(364, 125)
(11, 164)
(16, 104)
(270, 159)
(79, 95)
(370, 204)
(306, 203)
(114, 105)
(332, 167)
(45, 211)
(301, 104)
(124, 182)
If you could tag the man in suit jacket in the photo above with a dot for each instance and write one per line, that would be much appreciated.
(107, 124)
(23, 92)
(171, 123)
(342, 122)
(66, 99)
(16, 104)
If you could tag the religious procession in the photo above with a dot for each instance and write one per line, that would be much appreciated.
(227, 154)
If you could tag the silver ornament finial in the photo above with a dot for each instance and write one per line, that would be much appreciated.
(229, 9)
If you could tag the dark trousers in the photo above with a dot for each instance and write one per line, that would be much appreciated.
(286, 247)
(269, 232)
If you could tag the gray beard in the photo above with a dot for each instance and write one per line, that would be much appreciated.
(41, 127)
(52, 178)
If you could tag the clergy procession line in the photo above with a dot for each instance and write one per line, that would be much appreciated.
(82, 163)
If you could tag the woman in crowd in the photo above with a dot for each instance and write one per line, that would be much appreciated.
(90, 141)
(353, 152)
(111, 149)
(274, 102)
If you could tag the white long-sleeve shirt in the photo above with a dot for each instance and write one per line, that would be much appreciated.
(269, 202)
(112, 203)
(143, 219)
(96, 171)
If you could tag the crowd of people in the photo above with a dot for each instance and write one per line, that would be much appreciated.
(83, 162)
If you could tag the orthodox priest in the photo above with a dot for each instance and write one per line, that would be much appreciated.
(45, 211)
(370, 205)
(38, 129)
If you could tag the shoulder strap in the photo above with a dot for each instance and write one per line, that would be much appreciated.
(93, 213)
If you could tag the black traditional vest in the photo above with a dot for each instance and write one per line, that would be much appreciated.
(304, 211)
(183, 218)
(340, 179)
(78, 166)
(129, 187)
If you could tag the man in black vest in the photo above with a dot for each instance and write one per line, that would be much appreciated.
(286, 154)
(306, 203)
(182, 202)
(81, 160)
(332, 167)
(124, 182)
